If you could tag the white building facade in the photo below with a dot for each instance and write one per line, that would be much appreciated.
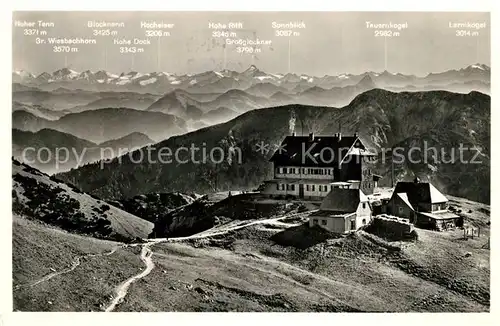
(343, 211)
(302, 171)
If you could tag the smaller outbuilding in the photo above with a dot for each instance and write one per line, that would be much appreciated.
(423, 205)
(342, 211)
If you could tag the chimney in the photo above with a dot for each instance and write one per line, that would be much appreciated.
(416, 180)
(311, 136)
(339, 135)
(293, 134)
(356, 135)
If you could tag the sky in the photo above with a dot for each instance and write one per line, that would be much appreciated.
(330, 44)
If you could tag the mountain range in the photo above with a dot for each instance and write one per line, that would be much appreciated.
(104, 124)
(222, 81)
(80, 151)
(386, 108)
(192, 98)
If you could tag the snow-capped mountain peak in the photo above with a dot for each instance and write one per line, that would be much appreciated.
(252, 68)
(64, 74)
(23, 73)
(479, 66)
(226, 79)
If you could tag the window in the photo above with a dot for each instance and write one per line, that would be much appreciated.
(315, 221)
(400, 210)
(278, 186)
(323, 222)
(363, 221)
(293, 187)
(439, 207)
(313, 188)
(364, 205)
(353, 224)
(307, 187)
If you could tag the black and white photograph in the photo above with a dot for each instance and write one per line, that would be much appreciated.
(251, 161)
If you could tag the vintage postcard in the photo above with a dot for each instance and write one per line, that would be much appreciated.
(249, 161)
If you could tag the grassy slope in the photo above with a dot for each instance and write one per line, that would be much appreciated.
(248, 271)
(38, 248)
(248, 278)
(258, 269)
(122, 223)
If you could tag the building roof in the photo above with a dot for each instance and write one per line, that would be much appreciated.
(343, 200)
(341, 183)
(440, 215)
(331, 214)
(404, 197)
(294, 146)
(420, 192)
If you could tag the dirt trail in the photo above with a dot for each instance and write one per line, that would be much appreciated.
(146, 253)
(74, 264)
(122, 289)
(223, 229)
